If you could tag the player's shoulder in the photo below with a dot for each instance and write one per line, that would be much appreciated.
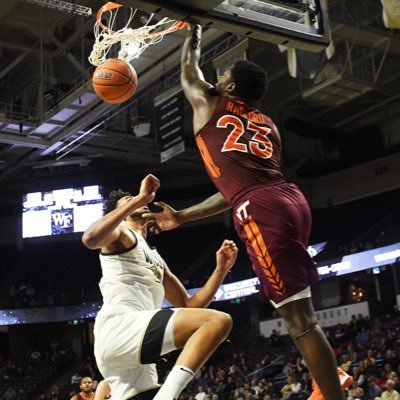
(126, 239)
(201, 94)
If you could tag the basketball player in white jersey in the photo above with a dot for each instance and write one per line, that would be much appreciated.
(131, 330)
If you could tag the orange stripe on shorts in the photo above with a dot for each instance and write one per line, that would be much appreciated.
(212, 167)
(262, 253)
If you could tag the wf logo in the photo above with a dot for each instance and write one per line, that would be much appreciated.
(62, 221)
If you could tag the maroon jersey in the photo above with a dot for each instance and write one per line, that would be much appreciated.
(80, 397)
(240, 147)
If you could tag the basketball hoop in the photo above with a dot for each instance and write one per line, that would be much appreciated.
(133, 41)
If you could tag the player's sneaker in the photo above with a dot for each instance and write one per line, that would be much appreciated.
(345, 380)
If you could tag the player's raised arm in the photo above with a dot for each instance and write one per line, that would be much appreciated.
(169, 218)
(178, 296)
(107, 229)
(192, 78)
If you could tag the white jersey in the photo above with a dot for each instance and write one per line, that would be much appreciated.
(133, 278)
(133, 293)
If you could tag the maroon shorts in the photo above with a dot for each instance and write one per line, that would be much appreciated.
(275, 223)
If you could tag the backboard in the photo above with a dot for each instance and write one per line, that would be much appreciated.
(301, 24)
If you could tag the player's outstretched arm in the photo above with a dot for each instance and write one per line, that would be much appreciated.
(105, 231)
(178, 296)
(170, 218)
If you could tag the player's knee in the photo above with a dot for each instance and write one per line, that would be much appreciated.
(222, 323)
(297, 326)
(298, 316)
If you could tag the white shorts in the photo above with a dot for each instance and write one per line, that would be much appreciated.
(128, 343)
(303, 294)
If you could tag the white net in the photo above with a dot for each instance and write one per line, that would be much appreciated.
(133, 41)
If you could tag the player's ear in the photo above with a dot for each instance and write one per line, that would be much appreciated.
(230, 87)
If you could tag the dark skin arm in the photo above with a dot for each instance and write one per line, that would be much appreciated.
(170, 218)
(201, 94)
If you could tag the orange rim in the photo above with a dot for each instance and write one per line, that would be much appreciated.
(178, 25)
(107, 7)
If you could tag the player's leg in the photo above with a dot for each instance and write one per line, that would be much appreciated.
(198, 332)
(276, 230)
(300, 320)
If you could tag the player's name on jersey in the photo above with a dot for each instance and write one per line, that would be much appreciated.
(251, 115)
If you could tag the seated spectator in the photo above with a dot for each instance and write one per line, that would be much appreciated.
(356, 394)
(291, 389)
(345, 362)
(388, 369)
(259, 372)
(381, 381)
(364, 336)
(87, 389)
(286, 391)
(230, 384)
(391, 358)
(369, 362)
(201, 394)
(261, 390)
(300, 367)
(353, 355)
(373, 390)
(339, 332)
(395, 378)
(358, 375)
(390, 393)
(248, 394)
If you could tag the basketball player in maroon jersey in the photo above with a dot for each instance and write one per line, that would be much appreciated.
(241, 149)
(87, 389)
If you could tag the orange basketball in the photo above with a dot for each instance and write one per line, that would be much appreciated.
(115, 81)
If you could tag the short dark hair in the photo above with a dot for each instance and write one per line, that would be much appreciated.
(111, 202)
(251, 81)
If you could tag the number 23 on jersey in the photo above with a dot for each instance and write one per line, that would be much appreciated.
(259, 144)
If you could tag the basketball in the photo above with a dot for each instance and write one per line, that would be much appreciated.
(115, 81)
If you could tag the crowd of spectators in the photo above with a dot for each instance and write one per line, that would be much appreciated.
(367, 350)
(25, 379)
(252, 368)
(26, 294)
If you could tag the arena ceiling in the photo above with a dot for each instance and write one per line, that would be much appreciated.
(52, 125)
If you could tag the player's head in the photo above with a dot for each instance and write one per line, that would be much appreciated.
(119, 197)
(113, 200)
(245, 80)
(86, 384)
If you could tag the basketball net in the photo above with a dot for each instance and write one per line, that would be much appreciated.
(133, 41)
